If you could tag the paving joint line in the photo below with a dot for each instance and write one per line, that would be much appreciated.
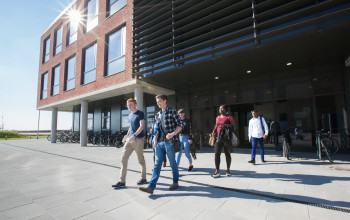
(330, 207)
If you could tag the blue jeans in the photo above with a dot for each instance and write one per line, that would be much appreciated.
(186, 146)
(255, 145)
(164, 148)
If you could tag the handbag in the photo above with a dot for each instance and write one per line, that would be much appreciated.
(177, 146)
(211, 140)
(234, 141)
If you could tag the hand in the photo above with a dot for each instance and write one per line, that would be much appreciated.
(169, 136)
(264, 136)
(131, 139)
(250, 140)
(190, 141)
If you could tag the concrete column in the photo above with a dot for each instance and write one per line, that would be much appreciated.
(138, 93)
(54, 125)
(83, 123)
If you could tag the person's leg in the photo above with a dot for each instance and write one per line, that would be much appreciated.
(228, 158)
(170, 152)
(138, 147)
(217, 150)
(262, 151)
(160, 154)
(179, 154)
(186, 147)
(127, 150)
(254, 144)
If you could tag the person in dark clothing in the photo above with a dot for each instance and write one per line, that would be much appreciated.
(222, 119)
(184, 136)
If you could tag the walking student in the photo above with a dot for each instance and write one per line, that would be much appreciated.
(222, 119)
(257, 132)
(134, 142)
(169, 126)
(184, 136)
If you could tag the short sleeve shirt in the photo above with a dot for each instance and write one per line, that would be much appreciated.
(134, 119)
(221, 121)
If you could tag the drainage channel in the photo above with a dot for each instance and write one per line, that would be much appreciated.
(203, 184)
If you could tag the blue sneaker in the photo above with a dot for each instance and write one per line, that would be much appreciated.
(119, 185)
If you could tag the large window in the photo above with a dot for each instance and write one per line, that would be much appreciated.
(46, 51)
(58, 41)
(116, 52)
(55, 84)
(106, 118)
(89, 71)
(72, 34)
(115, 5)
(125, 119)
(91, 14)
(44, 86)
(70, 74)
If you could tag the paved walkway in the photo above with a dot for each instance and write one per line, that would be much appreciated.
(39, 180)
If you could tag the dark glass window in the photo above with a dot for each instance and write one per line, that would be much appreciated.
(44, 86)
(89, 64)
(70, 74)
(115, 5)
(58, 41)
(55, 85)
(46, 50)
(116, 52)
(90, 122)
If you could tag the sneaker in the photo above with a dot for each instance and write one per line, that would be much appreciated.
(264, 161)
(146, 190)
(190, 168)
(173, 186)
(118, 185)
(142, 181)
(228, 173)
(251, 161)
(216, 175)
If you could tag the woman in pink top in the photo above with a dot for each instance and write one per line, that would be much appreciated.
(222, 119)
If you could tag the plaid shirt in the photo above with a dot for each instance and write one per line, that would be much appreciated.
(172, 121)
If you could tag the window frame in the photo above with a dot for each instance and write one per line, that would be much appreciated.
(84, 71)
(46, 51)
(91, 22)
(70, 35)
(43, 91)
(53, 76)
(122, 44)
(110, 4)
(55, 40)
(66, 80)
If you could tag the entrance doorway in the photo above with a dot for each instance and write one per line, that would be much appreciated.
(242, 115)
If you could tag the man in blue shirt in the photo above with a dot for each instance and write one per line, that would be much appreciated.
(134, 142)
(169, 125)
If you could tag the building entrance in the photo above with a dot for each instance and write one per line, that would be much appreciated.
(242, 115)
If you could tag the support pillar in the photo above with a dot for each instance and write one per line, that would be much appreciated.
(54, 125)
(83, 123)
(138, 93)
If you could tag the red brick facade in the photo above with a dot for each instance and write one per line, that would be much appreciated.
(105, 26)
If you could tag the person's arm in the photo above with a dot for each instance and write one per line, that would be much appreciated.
(179, 123)
(250, 130)
(138, 131)
(265, 126)
(127, 135)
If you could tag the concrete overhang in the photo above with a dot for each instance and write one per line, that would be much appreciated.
(112, 91)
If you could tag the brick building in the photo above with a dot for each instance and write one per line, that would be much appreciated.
(287, 59)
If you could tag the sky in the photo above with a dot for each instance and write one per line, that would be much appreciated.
(22, 23)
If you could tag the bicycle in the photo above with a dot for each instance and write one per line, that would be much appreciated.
(286, 144)
(326, 144)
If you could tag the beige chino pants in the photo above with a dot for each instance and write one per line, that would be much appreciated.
(128, 148)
